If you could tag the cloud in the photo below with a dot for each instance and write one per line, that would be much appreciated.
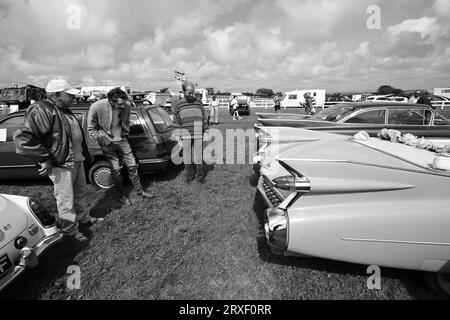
(442, 8)
(237, 45)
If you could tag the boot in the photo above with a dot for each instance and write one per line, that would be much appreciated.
(119, 185)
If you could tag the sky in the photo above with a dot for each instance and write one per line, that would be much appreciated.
(229, 45)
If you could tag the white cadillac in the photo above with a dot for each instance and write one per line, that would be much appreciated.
(360, 200)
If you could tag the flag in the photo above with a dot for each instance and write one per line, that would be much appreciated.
(180, 76)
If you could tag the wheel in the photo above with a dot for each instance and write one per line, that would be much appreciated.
(100, 176)
(439, 282)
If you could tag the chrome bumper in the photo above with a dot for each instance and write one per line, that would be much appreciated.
(29, 259)
(269, 194)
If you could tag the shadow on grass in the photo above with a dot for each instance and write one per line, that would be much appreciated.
(412, 280)
(109, 201)
(27, 182)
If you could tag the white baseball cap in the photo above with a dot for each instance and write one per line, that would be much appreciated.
(61, 85)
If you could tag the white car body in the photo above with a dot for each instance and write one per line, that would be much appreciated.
(18, 220)
(369, 202)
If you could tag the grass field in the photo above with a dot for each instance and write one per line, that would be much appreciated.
(193, 242)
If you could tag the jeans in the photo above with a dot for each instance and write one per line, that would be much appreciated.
(215, 114)
(116, 152)
(193, 159)
(70, 191)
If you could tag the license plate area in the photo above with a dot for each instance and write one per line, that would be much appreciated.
(5, 265)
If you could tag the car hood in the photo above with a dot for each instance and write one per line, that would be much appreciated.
(288, 134)
(292, 116)
(13, 221)
(296, 123)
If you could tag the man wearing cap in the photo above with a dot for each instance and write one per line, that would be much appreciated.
(109, 124)
(189, 114)
(53, 137)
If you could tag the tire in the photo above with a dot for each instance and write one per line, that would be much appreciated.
(100, 176)
(439, 282)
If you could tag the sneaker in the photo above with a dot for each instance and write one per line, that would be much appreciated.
(147, 195)
(90, 222)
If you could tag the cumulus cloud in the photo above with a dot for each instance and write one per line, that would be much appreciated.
(237, 45)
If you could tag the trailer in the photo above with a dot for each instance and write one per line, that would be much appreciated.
(295, 99)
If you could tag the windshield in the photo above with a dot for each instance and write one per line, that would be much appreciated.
(440, 120)
(333, 113)
(161, 119)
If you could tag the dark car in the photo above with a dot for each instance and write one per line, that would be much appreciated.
(420, 120)
(243, 105)
(150, 132)
(22, 97)
(372, 117)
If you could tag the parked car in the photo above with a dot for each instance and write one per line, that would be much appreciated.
(150, 131)
(27, 230)
(365, 201)
(164, 100)
(20, 98)
(442, 104)
(350, 118)
(243, 104)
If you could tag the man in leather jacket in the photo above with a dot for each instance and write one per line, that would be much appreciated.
(53, 137)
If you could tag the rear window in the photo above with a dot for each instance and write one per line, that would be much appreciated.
(160, 118)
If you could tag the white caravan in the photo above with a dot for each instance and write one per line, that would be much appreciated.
(294, 99)
(442, 92)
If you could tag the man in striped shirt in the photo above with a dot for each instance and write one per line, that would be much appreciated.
(190, 115)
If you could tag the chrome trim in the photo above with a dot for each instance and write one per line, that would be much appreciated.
(397, 242)
(153, 161)
(21, 166)
(270, 192)
(276, 228)
(430, 170)
(293, 197)
(39, 248)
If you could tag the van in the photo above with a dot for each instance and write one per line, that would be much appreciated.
(294, 99)
(442, 92)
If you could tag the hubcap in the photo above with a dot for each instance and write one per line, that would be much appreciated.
(103, 178)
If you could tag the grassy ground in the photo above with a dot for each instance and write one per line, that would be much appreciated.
(193, 242)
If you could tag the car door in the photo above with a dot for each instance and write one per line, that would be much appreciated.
(12, 165)
(141, 139)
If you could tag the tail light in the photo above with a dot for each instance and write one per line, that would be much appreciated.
(41, 213)
(296, 182)
(293, 183)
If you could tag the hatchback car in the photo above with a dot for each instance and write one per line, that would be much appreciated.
(150, 132)
(27, 230)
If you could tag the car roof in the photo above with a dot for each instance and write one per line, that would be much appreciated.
(388, 104)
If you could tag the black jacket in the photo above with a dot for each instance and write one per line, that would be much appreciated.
(45, 134)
